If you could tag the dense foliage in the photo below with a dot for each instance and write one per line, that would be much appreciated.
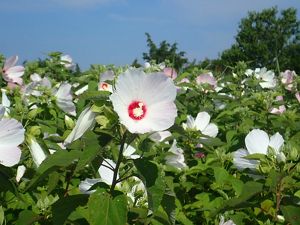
(86, 160)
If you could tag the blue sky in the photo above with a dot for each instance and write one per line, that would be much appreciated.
(113, 31)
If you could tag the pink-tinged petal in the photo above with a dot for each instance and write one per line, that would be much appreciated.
(11, 132)
(257, 141)
(9, 155)
(170, 72)
(211, 130)
(202, 120)
(10, 62)
(297, 95)
(241, 163)
(206, 79)
(276, 142)
(16, 71)
(106, 171)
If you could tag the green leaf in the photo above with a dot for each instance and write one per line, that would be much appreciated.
(152, 178)
(291, 214)
(27, 217)
(106, 210)
(64, 206)
(90, 151)
(168, 204)
(58, 160)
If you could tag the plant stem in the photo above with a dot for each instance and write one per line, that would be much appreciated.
(120, 158)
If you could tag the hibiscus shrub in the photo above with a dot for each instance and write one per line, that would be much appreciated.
(120, 145)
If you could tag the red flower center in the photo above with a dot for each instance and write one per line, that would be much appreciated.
(104, 86)
(137, 110)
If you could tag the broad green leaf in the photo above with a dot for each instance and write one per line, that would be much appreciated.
(58, 160)
(64, 206)
(1, 215)
(152, 178)
(291, 214)
(27, 217)
(106, 210)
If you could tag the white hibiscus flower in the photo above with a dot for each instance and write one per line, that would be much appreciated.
(144, 102)
(11, 135)
(229, 222)
(258, 141)
(67, 61)
(201, 123)
(267, 77)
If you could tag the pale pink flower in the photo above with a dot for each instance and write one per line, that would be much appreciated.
(144, 102)
(11, 135)
(281, 109)
(207, 78)
(170, 72)
(11, 72)
(287, 78)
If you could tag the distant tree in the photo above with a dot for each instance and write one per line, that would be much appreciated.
(164, 52)
(264, 38)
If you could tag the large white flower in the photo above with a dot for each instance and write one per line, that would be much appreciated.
(11, 135)
(258, 141)
(145, 102)
(64, 99)
(37, 85)
(229, 222)
(267, 77)
(11, 72)
(85, 121)
(201, 123)
(175, 157)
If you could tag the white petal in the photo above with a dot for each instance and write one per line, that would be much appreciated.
(276, 141)
(9, 155)
(211, 130)
(66, 106)
(129, 150)
(202, 120)
(241, 163)
(190, 123)
(37, 153)
(160, 136)
(106, 172)
(108, 75)
(84, 122)
(2, 111)
(20, 172)
(15, 72)
(11, 132)
(85, 185)
(5, 100)
(257, 141)
(35, 77)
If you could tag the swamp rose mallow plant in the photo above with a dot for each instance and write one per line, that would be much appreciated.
(144, 102)
(266, 77)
